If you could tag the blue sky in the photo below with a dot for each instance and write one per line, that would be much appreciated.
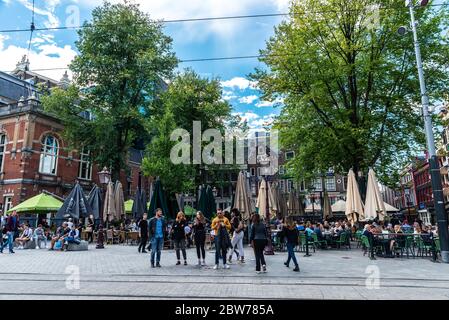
(191, 40)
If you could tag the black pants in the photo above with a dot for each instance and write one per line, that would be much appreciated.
(259, 246)
(143, 242)
(90, 237)
(200, 251)
(180, 245)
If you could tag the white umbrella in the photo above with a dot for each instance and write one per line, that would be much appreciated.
(262, 199)
(109, 203)
(293, 204)
(339, 206)
(374, 204)
(354, 204)
(119, 201)
(327, 209)
(242, 199)
(390, 208)
(311, 208)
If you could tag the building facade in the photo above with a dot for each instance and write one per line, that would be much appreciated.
(33, 154)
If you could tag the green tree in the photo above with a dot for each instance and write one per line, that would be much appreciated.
(188, 98)
(350, 84)
(123, 57)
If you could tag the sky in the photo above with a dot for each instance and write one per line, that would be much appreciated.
(191, 40)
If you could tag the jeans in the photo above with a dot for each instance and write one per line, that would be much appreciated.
(259, 246)
(200, 251)
(291, 254)
(39, 240)
(10, 241)
(180, 245)
(223, 252)
(237, 240)
(143, 242)
(156, 247)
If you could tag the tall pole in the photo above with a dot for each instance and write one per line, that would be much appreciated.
(433, 160)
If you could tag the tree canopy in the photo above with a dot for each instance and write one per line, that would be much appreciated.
(123, 59)
(349, 82)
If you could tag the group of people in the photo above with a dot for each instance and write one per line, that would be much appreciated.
(226, 234)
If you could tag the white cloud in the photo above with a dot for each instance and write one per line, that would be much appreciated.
(264, 104)
(248, 99)
(265, 121)
(48, 56)
(247, 116)
(49, 11)
(3, 38)
(239, 82)
(198, 31)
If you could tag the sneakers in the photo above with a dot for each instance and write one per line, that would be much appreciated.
(178, 263)
(258, 272)
(242, 260)
(152, 265)
(296, 269)
(286, 264)
(185, 262)
(203, 263)
(158, 265)
(264, 269)
(226, 266)
(199, 263)
(216, 267)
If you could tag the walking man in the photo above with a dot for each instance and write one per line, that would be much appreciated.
(12, 226)
(157, 229)
(143, 227)
(221, 227)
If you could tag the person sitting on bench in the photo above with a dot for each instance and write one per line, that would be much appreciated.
(26, 236)
(72, 237)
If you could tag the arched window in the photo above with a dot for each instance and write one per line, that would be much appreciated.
(49, 155)
(85, 168)
(2, 150)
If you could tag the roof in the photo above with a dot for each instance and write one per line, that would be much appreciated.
(12, 88)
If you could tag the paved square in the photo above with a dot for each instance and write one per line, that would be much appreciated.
(119, 272)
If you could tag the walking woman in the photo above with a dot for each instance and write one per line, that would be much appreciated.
(237, 237)
(179, 237)
(90, 229)
(199, 235)
(259, 240)
(291, 234)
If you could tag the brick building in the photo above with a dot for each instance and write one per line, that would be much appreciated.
(33, 155)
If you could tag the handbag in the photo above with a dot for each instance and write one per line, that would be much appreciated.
(88, 229)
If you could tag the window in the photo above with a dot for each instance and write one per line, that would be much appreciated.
(330, 184)
(289, 185)
(8, 204)
(49, 155)
(282, 185)
(2, 150)
(289, 155)
(85, 168)
(317, 184)
(282, 170)
(252, 171)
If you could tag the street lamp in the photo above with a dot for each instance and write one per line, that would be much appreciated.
(433, 160)
(104, 176)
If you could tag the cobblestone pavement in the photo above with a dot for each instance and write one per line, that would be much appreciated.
(119, 272)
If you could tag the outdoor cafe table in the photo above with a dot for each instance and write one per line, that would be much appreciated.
(386, 238)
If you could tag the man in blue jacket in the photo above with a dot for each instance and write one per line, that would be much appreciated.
(157, 228)
(12, 226)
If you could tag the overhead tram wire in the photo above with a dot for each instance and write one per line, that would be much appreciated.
(207, 19)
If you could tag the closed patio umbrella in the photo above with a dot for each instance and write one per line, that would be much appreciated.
(119, 201)
(374, 204)
(390, 208)
(242, 200)
(354, 205)
(95, 201)
(139, 205)
(75, 205)
(211, 204)
(158, 200)
(293, 204)
(109, 203)
(327, 209)
(202, 199)
(261, 204)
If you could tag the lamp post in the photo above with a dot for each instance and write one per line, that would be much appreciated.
(104, 176)
(433, 160)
